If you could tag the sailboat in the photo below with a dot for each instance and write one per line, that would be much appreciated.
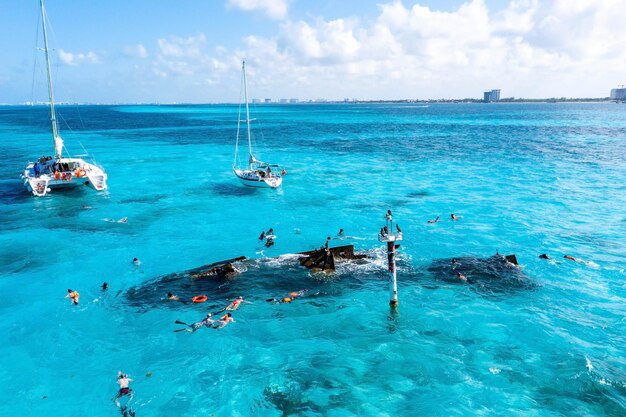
(256, 173)
(57, 172)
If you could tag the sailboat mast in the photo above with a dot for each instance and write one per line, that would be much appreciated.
(53, 119)
(245, 93)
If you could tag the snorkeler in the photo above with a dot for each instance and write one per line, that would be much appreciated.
(136, 261)
(223, 321)
(124, 381)
(388, 215)
(434, 220)
(340, 233)
(234, 305)
(544, 256)
(571, 258)
(269, 242)
(454, 217)
(292, 296)
(461, 276)
(74, 296)
(207, 321)
(105, 286)
(172, 297)
(262, 235)
(454, 264)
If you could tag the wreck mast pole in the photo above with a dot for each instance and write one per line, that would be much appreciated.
(390, 237)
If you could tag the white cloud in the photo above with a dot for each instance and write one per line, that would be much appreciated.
(530, 48)
(136, 51)
(275, 9)
(75, 59)
(182, 47)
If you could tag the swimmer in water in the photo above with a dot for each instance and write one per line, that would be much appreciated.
(571, 258)
(124, 381)
(454, 264)
(74, 296)
(192, 328)
(262, 235)
(340, 233)
(105, 286)
(269, 242)
(434, 220)
(224, 320)
(544, 256)
(461, 276)
(172, 297)
(136, 261)
(234, 305)
(292, 296)
(123, 220)
(454, 217)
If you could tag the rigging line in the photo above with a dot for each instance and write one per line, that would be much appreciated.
(36, 50)
(259, 128)
(237, 156)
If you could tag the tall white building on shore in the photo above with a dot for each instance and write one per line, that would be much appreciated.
(618, 93)
(490, 96)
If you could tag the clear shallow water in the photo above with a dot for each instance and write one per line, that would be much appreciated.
(527, 179)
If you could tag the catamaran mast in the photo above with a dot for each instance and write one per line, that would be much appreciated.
(245, 93)
(53, 119)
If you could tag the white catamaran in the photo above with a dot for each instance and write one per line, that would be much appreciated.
(256, 173)
(58, 172)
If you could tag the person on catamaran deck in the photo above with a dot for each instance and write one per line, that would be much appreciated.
(461, 276)
(123, 381)
(74, 296)
(436, 220)
(192, 328)
(223, 321)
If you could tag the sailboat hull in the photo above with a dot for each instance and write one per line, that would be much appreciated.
(251, 178)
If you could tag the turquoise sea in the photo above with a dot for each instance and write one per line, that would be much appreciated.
(548, 339)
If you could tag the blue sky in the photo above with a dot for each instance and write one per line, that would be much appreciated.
(190, 50)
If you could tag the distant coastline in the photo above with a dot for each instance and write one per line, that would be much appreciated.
(350, 101)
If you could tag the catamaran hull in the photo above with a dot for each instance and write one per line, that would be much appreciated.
(83, 174)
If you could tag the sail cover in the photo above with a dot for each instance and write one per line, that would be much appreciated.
(58, 146)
